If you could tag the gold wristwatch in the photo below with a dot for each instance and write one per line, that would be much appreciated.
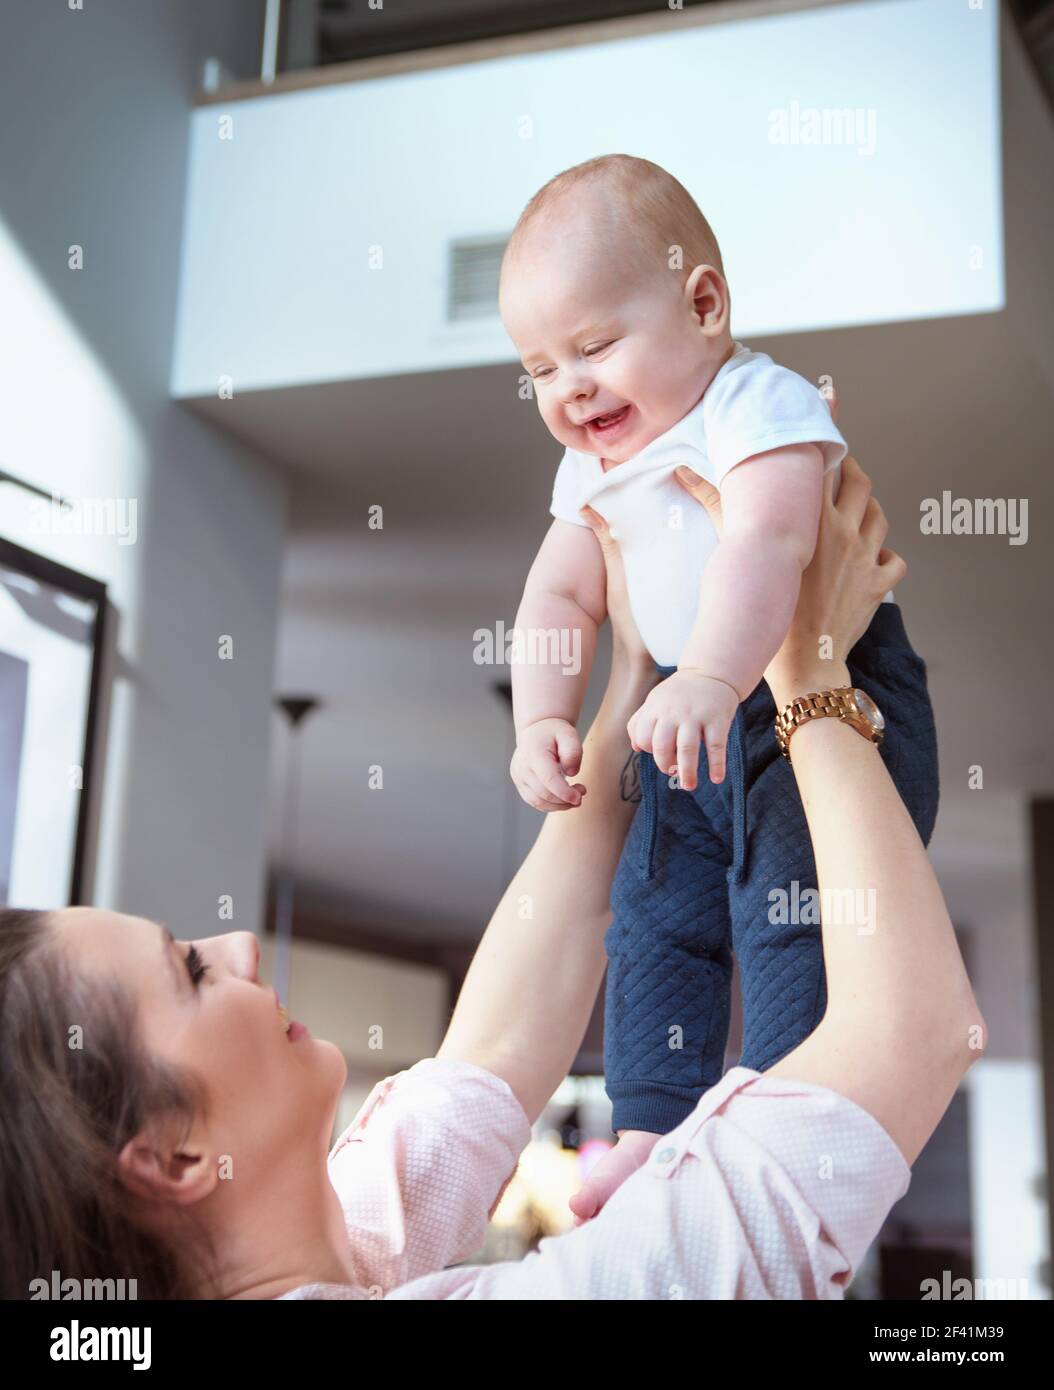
(848, 704)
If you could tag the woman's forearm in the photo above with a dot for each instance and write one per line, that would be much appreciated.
(532, 985)
(902, 1025)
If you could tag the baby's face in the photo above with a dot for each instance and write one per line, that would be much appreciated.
(599, 344)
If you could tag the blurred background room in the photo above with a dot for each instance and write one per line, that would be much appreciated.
(268, 475)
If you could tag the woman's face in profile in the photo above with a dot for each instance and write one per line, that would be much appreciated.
(202, 1006)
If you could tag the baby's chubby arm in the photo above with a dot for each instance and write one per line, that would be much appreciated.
(771, 509)
(562, 608)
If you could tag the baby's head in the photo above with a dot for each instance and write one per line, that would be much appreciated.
(613, 292)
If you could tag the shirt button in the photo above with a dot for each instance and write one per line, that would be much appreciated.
(665, 1155)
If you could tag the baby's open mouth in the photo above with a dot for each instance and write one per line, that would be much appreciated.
(603, 423)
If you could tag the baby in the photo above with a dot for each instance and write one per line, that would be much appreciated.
(613, 291)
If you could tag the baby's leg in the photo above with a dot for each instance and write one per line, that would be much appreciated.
(776, 924)
(669, 966)
(668, 983)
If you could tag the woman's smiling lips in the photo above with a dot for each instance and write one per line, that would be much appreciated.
(293, 1030)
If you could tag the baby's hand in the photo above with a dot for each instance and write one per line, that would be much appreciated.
(682, 711)
(545, 751)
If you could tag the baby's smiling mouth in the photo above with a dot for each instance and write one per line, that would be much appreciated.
(607, 422)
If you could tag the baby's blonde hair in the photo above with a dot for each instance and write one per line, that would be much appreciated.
(643, 199)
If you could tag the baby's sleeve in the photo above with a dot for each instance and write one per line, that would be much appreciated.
(567, 490)
(760, 407)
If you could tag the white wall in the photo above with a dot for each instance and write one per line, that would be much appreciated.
(95, 106)
(282, 217)
(1007, 1172)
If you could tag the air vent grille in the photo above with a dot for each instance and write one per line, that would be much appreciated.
(474, 267)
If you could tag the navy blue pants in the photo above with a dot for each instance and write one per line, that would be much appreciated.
(694, 884)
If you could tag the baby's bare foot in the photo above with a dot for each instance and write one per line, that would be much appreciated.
(633, 1147)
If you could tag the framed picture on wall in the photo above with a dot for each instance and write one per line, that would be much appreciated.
(51, 642)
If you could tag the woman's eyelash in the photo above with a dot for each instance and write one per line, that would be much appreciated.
(195, 966)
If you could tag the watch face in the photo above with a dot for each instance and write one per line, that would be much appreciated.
(869, 710)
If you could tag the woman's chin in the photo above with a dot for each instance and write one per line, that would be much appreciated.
(328, 1073)
(324, 1062)
(329, 1056)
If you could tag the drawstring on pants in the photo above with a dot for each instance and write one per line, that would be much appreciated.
(736, 772)
(649, 802)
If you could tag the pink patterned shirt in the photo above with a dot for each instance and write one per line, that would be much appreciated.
(771, 1188)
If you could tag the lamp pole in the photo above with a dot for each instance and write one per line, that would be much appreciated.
(272, 28)
(295, 708)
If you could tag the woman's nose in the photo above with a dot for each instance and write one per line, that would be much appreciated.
(243, 954)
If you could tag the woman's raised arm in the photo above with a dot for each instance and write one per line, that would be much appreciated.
(529, 992)
(902, 1025)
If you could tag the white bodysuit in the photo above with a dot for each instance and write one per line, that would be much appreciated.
(751, 406)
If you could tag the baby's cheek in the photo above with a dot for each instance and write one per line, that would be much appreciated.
(556, 427)
(567, 435)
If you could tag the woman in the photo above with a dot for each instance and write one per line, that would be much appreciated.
(161, 1124)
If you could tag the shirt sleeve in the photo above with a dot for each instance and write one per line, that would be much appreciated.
(771, 1189)
(762, 406)
(567, 490)
(422, 1165)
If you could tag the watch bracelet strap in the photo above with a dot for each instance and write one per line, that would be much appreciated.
(819, 704)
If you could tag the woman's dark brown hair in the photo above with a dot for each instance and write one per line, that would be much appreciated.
(75, 1086)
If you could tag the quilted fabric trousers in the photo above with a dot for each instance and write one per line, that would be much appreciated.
(703, 874)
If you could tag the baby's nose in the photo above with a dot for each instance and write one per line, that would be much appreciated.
(577, 388)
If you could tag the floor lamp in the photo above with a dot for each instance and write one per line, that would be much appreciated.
(295, 708)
